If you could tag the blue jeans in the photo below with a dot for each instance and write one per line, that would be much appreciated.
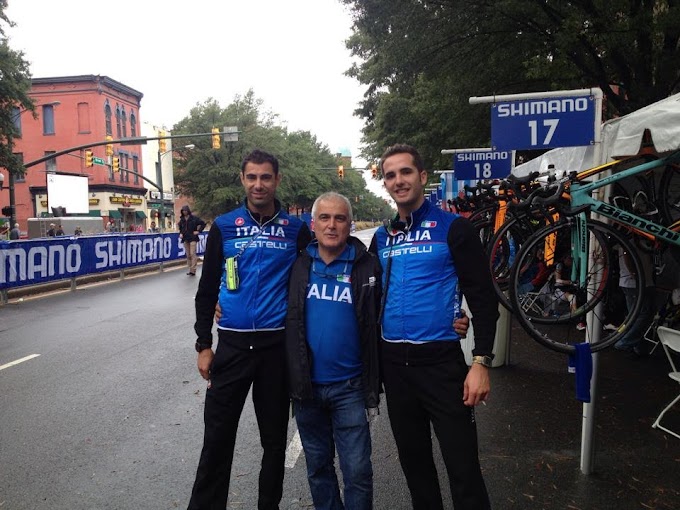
(336, 418)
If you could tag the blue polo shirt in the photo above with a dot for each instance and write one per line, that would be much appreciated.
(330, 319)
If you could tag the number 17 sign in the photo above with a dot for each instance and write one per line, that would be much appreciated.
(543, 123)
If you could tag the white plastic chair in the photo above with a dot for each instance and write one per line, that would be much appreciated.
(670, 339)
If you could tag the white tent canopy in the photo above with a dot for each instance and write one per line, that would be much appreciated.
(620, 137)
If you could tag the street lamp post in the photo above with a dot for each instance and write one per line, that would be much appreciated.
(159, 175)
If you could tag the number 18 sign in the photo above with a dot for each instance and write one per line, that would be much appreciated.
(543, 123)
(476, 165)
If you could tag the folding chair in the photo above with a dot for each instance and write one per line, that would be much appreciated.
(538, 303)
(670, 339)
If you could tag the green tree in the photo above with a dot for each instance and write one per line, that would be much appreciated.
(421, 60)
(15, 82)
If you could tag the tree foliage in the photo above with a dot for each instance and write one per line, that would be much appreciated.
(15, 82)
(308, 168)
(423, 59)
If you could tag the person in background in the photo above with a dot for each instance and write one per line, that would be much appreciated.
(429, 256)
(52, 231)
(14, 234)
(78, 231)
(189, 227)
(153, 228)
(60, 230)
(248, 257)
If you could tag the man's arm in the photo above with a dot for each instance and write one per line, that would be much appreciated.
(475, 281)
(209, 285)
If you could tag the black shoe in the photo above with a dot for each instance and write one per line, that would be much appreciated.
(188, 274)
(191, 274)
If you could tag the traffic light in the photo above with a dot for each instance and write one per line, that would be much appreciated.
(88, 158)
(374, 170)
(341, 172)
(162, 144)
(115, 163)
(216, 142)
(109, 146)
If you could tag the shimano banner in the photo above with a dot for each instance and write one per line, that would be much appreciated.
(49, 259)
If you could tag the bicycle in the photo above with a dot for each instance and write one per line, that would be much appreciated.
(548, 314)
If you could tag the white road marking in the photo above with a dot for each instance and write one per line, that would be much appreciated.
(293, 450)
(12, 363)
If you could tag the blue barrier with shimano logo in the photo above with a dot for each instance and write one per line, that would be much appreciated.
(50, 259)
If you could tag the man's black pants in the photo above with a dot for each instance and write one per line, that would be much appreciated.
(235, 367)
(423, 385)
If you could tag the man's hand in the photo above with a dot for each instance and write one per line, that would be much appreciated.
(205, 358)
(461, 324)
(218, 312)
(477, 385)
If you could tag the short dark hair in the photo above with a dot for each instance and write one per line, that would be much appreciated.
(402, 148)
(259, 157)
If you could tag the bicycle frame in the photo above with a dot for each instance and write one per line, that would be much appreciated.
(581, 195)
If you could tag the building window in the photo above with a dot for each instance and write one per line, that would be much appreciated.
(16, 120)
(20, 176)
(83, 118)
(48, 119)
(107, 116)
(133, 124)
(126, 159)
(124, 122)
(118, 130)
(135, 163)
(51, 164)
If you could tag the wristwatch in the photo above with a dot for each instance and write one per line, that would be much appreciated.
(483, 360)
(201, 346)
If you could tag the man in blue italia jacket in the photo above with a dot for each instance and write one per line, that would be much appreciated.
(332, 353)
(248, 257)
(429, 257)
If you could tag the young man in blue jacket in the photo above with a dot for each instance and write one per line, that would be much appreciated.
(429, 257)
(248, 257)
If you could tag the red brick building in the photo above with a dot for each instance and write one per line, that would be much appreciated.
(73, 111)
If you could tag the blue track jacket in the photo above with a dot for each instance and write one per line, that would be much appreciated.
(437, 258)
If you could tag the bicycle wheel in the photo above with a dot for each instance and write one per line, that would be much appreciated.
(549, 314)
(502, 251)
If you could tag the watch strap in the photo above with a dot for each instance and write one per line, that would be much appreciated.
(201, 346)
(483, 360)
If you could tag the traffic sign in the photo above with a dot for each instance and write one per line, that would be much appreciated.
(543, 123)
(475, 165)
(98, 161)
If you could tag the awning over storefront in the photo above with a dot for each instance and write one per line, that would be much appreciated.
(140, 215)
(115, 214)
(95, 212)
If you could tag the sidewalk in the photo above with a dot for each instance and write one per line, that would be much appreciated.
(530, 433)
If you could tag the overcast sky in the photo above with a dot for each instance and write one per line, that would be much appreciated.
(179, 53)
